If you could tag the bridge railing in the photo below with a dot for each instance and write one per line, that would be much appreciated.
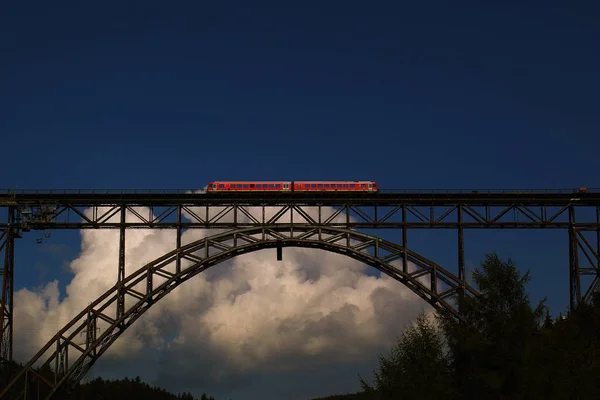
(491, 191)
(9, 192)
(98, 191)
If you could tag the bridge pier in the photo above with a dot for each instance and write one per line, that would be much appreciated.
(6, 301)
(121, 271)
(461, 253)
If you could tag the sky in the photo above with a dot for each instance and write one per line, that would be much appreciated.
(413, 95)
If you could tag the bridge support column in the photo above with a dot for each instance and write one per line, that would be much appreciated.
(574, 278)
(461, 254)
(121, 273)
(596, 283)
(178, 239)
(404, 240)
(6, 301)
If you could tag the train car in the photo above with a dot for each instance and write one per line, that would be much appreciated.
(253, 186)
(292, 186)
(335, 186)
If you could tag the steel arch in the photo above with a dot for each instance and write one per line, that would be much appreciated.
(428, 280)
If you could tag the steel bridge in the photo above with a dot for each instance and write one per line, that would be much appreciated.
(254, 221)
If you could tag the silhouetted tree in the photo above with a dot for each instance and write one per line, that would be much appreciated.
(489, 353)
(417, 365)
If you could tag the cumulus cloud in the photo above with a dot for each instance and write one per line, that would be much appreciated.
(247, 317)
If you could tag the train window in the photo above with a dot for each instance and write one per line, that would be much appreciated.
(370, 186)
(363, 186)
(320, 186)
(327, 185)
(277, 186)
(314, 185)
(252, 186)
(221, 186)
(339, 185)
(239, 185)
(285, 185)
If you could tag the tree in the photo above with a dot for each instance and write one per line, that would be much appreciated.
(490, 352)
(567, 356)
(416, 366)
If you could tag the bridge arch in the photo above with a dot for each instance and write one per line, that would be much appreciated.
(427, 279)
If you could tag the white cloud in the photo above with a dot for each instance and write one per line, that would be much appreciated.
(250, 315)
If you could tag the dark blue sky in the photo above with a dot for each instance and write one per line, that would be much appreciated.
(144, 94)
(426, 94)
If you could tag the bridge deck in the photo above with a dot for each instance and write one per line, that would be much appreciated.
(439, 197)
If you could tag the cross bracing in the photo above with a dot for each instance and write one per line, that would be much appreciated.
(576, 212)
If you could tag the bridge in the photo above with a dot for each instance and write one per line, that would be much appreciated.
(248, 222)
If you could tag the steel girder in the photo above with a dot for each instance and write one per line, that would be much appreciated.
(6, 299)
(415, 214)
(577, 213)
(146, 286)
(582, 247)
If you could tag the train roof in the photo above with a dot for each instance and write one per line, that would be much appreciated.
(334, 181)
(295, 181)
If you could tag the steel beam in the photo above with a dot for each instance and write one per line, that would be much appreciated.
(577, 212)
(441, 287)
(461, 248)
(425, 214)
(404, 239)
(6, 300)
(121, 267)
(574, 278)
(178, 239)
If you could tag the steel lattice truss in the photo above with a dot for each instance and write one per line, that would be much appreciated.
(255, 221)
(149, 284)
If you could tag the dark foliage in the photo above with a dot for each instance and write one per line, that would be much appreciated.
(355, 396)
(508, 349)
(100, 389)
(127, 389)
(417, 360)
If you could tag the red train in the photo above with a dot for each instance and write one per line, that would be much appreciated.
(293, 186)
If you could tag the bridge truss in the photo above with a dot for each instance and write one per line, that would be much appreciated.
(274, 220)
